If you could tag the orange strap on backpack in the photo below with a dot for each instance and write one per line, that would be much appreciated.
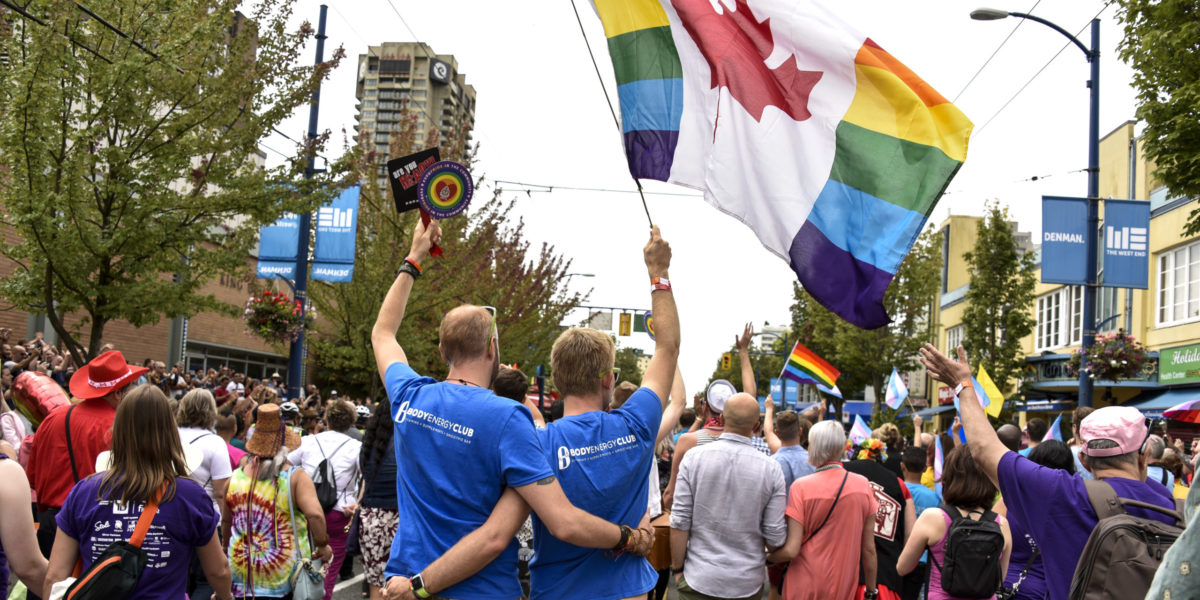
(143, 524)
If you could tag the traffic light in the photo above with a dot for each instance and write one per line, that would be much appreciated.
(626, 323)
(726, 361)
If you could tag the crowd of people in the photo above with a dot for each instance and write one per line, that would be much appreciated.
(463, 489)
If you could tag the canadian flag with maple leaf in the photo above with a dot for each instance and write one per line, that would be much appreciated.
(790, 121)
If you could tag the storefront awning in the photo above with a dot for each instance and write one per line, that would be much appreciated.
(1153, 403)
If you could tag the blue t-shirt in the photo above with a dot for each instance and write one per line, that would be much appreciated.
(183, 523)
(602, 462)
(794, 462)
(923, 498)
(1053, 507)
(457, 448)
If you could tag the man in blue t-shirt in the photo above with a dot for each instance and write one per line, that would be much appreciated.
(791, 456)
(1052, 503)
(602, 458)
(463, 454)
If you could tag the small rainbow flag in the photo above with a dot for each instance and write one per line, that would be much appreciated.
(804, 366)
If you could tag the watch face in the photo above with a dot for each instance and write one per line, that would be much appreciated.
(417, 582)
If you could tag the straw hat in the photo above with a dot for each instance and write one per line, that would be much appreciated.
(269, 433)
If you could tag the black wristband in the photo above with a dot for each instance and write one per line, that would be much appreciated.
(408, 268)
(626, 533)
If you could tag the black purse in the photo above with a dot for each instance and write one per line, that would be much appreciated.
(1008, 593)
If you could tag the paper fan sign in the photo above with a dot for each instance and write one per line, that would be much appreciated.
(445, 189)
(649, 320)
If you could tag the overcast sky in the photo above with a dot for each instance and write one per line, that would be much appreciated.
(542, 119)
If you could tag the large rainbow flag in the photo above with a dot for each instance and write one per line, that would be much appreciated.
(829, 148)
(804, 366)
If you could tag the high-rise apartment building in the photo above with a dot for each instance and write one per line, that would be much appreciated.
(402, 80)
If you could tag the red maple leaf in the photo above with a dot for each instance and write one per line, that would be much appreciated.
(736, 47)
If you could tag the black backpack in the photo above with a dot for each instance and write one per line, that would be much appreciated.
(115, 573)
(971, 565)
(325, 481)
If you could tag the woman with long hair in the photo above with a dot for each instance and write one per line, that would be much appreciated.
(967, 490)
(379, 513)
(266, 535)
(18, 539)
(146, 462)
(342, 451)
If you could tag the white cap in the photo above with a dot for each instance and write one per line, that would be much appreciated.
(718, 392)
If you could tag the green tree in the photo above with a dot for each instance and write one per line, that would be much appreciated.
(866, 357)
(130, 176)
(627, 362)
(998, 314)
(1160, 44)
(767, 363)
(487, 261)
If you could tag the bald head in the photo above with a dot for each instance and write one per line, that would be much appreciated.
(465, 334)
(741, 414)
(1010, 436)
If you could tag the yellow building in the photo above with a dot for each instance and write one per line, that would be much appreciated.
(1166, 316)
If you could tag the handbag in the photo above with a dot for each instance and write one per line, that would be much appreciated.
(308, 580)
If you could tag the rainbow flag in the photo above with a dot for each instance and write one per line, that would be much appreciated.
(804, 366)
(788, 120)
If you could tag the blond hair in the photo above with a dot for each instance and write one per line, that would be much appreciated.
(197, 409)
(465, 333)
(578, 360)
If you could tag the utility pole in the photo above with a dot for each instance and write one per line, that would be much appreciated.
(296, 352)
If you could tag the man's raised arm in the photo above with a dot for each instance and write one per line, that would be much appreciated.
(749, 384)
(985, 445)
(661, 371)
(383, 335)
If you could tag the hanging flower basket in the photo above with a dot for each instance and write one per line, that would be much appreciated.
(275, 318)
(1111, 357)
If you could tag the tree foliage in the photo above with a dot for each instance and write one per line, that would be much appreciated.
(767, 363)
(627, 362)
(1160, 44)
(131, 178)
(998, 314)
(866, 357)
(488, 261)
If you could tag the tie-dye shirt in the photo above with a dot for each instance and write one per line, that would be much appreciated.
(262, 547)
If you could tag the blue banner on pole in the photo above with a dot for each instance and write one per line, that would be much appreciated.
(277, 245)
(1064, 240)
(337, 226)
(777, 388)
(1126, 243)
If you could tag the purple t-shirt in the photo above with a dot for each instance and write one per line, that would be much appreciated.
(1054, 508)
(182, 523)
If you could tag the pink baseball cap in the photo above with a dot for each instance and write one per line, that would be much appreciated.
(1124, 425)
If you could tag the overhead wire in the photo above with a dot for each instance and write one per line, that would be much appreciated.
(545, 189)
(1039, 72)
(994, 52)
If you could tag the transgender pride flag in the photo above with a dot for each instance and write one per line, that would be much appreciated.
(897, 392)
(792, 122)
(859, 431)
(938, 458)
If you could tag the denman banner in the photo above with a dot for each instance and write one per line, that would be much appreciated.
(777, 389)
(1064, 240)
(337, 225)
(277, 245)
(1126, 243)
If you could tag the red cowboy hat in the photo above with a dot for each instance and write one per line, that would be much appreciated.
(106, 373)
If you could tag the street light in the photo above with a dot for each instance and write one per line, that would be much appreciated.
(1093, 219)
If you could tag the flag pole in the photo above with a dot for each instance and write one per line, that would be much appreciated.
(608, 100)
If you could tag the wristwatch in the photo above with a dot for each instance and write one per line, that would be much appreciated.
(870, 594)
(418, 586)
